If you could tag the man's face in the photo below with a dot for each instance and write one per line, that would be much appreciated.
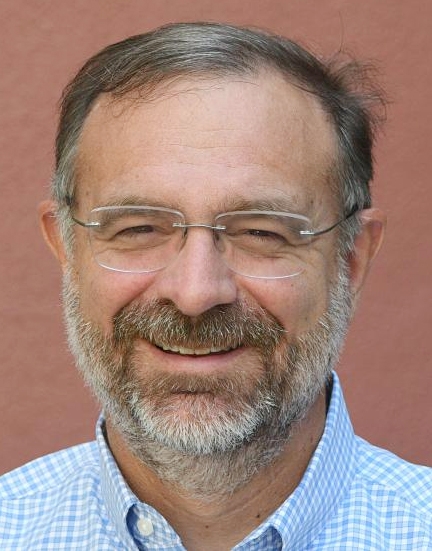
(204, 147)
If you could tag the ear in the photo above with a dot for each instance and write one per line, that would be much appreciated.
(51, 231)
(366, 247)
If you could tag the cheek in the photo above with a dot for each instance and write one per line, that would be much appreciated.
(103, 293)
(296, 303)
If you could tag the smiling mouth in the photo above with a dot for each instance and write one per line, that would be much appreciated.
(172, 349)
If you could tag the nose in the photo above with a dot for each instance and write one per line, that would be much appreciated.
(197, 279)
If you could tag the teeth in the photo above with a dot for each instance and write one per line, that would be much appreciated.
(192, 351)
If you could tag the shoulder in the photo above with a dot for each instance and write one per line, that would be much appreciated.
(387, 505)
(50, 500)
(56, 502)
(50, 473)
(386, 475)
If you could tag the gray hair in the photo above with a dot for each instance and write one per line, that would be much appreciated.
(146, 61)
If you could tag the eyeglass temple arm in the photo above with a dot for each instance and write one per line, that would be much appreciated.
(321, 232)
(85, 224)
(69, 202)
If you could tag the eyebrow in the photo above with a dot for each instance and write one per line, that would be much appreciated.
(135, 201)
(283, 203)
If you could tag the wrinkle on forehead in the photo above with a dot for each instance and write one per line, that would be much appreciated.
(294, 105)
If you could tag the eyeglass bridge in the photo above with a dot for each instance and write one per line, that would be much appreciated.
(208, 226)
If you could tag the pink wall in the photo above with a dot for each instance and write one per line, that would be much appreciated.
(386, 367)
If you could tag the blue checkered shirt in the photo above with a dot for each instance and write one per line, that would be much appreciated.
(353, 496)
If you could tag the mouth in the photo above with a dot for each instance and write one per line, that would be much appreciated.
(183, 351)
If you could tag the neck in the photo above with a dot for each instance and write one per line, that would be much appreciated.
(218, 522)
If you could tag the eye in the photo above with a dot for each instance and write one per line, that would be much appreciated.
(137, 230)
(272, 237)
(265, 234)
(142, 235)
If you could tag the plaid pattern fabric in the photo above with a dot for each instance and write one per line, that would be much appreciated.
(353, 496)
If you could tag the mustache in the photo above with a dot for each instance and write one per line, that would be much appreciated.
(224, 326)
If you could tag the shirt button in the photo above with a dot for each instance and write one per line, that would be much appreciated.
(145, 526)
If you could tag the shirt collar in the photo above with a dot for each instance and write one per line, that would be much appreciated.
(326, 480)
(117, 497)
(123, 507)
(305, 512)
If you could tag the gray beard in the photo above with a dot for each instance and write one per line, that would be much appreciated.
(230, 426)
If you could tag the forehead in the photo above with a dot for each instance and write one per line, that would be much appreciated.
(249, 138)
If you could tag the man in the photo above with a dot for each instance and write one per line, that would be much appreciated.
(212, 216)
